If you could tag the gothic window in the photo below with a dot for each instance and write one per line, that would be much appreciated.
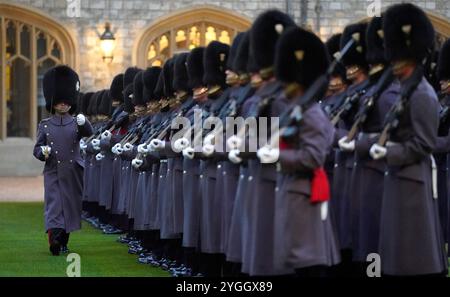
(185, 30)
(29, 45)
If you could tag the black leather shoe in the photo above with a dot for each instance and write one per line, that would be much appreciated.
(124, 238)
(168, 265)
(185, 273)
(155, 263)
(146, 260)
(134, 243)
(112, 230)
(55, 248)
(135, 250)
(145, 254)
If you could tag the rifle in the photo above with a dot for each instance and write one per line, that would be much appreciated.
(385, 81)
(392, 118)
(109, 125)
(348, 103)
(161, 130)
(231, 107)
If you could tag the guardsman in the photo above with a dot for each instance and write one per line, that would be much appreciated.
(336, 90)
(84, 109)
(105, 173)
(342, 116)
(267, 102)
(214, 61)
(235, 234)
(304, 239)
(442, 148)
(108, 139)
(191, 167)
(410, 228)
(368, 174)
(57, 145)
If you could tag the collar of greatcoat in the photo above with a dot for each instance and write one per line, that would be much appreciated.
(61, 120)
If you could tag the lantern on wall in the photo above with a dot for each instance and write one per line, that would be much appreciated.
(107, 44)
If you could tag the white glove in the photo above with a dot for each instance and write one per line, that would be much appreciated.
(128, 147)
(119, 150)
(136, 163)
(46, 150)
(234, 142)
(157, 144)
(209, 139)
(268, 155)
(81, 120)
(189, 153)
(180, 144)
(346, 146)
(99, 157)
(142, 148)
(83, 145)
(95, 142)
(106, 135)
(208, 149)
(114, 148)
(233, 156)
(377, 151)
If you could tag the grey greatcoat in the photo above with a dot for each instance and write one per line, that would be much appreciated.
(303, 234)
(411, 240)
(192, 199)
(368, 177)
(63, 170)
(259, 208)
(342, 190)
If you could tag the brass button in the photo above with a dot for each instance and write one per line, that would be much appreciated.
(70, 161)
(184, 171)
(219, 166)
(56, 152)
(250, 178)
(201, 175)
(47, 134)
(51, 142)
(59, 161)
(45, 126)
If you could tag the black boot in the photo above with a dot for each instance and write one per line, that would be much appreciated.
(64, 242)
(54, 240)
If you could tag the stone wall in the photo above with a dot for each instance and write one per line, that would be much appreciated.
(129, 17)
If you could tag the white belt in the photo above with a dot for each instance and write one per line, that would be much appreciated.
(392, 143)
(434, 177)
(163, 161)
(369, 135)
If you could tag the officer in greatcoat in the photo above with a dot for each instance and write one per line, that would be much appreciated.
(57, 145)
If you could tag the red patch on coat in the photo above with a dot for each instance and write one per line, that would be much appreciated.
(320, 186)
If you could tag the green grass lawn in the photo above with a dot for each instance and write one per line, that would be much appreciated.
(24, 248)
